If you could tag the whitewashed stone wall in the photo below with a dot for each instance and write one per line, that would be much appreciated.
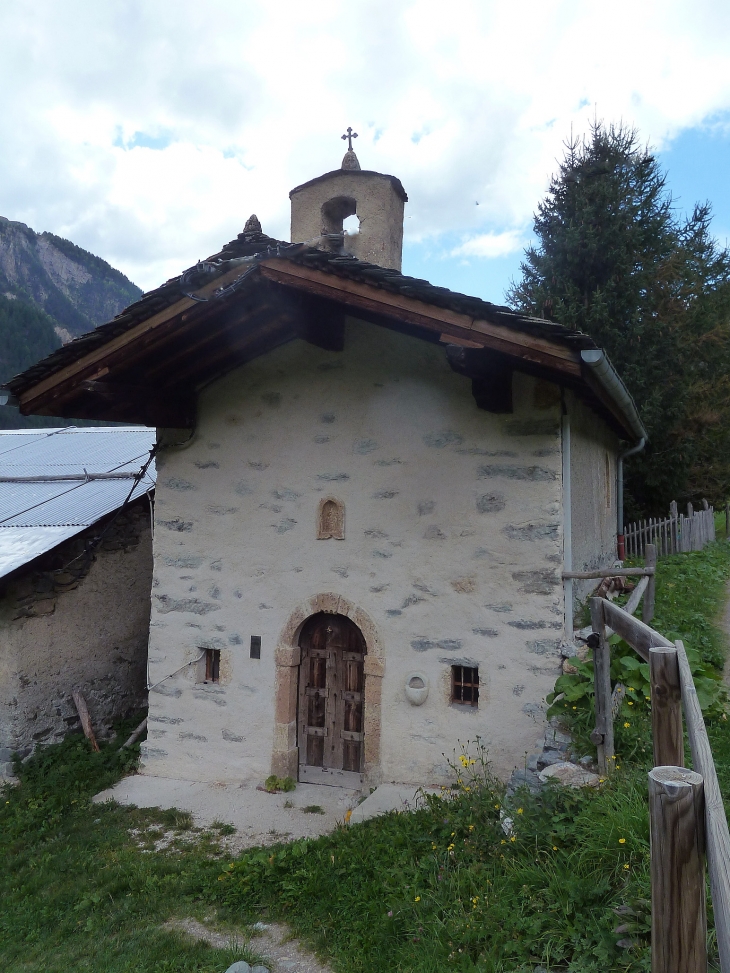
(453, 548)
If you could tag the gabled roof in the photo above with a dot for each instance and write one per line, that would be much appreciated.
(54, 483)
(257, 293)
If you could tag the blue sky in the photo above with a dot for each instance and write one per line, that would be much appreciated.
(697, 165)
(147, 131)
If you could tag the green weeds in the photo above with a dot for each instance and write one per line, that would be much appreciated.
(446, 887)
(88, 886)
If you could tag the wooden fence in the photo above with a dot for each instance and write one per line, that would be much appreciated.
(686, 813)
(676, 534)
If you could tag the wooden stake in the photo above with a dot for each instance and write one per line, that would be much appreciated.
(135, 735)
(647, 611)
(603, 734)
(666, 707)
(676, 831)
(83, 712)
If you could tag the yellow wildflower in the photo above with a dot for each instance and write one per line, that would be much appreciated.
(519, 810)
(627, 725)
(622, 841)
(418, 898)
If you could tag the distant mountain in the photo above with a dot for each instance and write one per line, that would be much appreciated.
(50, 292)
(77, 289)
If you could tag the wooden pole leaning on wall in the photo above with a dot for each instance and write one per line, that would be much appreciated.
(83, 711)
(666, 707)
(678, 907)
(727, 521)
(602, 736)
(647, 611)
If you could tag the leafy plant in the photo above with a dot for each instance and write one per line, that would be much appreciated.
(274, 784)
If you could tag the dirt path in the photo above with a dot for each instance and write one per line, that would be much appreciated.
(282, 954)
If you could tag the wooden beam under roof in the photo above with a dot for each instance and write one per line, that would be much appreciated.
(366, 299)
(311, 292)
(94, 363)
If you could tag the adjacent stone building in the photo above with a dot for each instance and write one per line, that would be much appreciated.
(368, 490)
(75, 577)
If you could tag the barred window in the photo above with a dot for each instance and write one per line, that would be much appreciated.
(465, 685)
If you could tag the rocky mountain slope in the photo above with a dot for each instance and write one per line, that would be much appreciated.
(50, 292)
(77, 289)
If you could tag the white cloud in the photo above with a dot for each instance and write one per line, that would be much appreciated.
(465, 103)
(490, 245)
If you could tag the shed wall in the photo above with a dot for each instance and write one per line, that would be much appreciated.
(83, 627)
(593, 451)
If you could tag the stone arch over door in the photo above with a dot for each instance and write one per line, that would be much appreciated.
(285, 755)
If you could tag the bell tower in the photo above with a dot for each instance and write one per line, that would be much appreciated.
(320, 207)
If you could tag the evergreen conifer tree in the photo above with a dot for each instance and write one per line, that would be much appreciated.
(615, 261)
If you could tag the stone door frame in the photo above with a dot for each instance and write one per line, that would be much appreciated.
(285, 755)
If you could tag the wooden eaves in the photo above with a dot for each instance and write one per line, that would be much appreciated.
(151, 372)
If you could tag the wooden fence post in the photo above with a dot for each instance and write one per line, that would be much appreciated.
(727, 520)
(602, 736)
(666, 707)
(647, 611)
(678, 911)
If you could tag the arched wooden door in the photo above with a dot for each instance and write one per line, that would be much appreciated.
(331, 701)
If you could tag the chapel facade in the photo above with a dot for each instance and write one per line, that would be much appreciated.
(368, 490)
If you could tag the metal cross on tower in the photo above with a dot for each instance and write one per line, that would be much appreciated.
(350, 136)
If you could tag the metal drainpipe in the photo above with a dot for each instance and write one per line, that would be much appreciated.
(567, 527)
(620, 494)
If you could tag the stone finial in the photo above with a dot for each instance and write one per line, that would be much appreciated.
(350, 160)
(253, 225)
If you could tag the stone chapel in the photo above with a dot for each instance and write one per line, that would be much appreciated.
(368, 489)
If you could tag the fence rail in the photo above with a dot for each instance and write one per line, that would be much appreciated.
(687, 815)
(675, 534)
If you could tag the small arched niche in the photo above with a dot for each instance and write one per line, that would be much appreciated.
(331, 519)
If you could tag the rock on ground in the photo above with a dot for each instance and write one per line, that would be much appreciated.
(570, 775)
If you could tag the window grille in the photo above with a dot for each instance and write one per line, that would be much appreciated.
(465, 685)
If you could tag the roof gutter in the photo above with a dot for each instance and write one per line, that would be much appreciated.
(607, 377)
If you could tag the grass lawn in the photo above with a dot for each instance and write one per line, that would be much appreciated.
(444, 888)
(81, 887)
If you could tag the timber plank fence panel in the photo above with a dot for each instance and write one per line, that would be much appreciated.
(689, 803)
(675, 534)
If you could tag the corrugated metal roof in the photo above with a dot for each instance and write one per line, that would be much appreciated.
(56, 482)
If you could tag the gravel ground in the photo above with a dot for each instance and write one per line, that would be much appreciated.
(259, 818)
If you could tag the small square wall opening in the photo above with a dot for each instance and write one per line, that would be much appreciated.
(212, 665)
(255, 646)
(465, 685)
